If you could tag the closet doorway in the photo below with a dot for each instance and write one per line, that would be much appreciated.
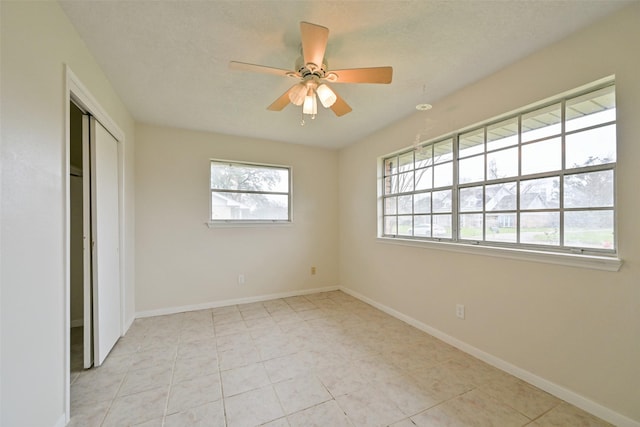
(94, 236)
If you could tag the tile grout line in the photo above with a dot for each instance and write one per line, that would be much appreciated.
(224, 402)
(166, 403)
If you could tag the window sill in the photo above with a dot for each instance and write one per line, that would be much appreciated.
(571, 260)
(247, 224)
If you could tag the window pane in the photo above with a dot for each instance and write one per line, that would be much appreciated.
(391, 184)
(405, 182)
(471, 199)
(405, 162)
(405, 204)
(390, 225)
(541, 123)
(471, 226)
(391, 166)
(501, 227)
(405, 225)
(424, 156)
(471, 143)
(540, 193)
(422, 203)
(235, 176)
(501, 197)
(544, 156)
(589, 229)
(540, 228)
(422, 226)
(591, 109)
(503, 134)
(443, 151)
(441, 201)
(592, 147)
(243, 206)
(441, 226)
(424, 178)
(502, 164)
(443, 175)
(390, 205)
(588, 190)
(471, 169)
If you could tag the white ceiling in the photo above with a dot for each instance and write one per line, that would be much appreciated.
(168, 60)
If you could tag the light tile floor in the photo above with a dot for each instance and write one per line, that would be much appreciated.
(325, 360)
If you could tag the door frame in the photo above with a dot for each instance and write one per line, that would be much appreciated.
(77, 92)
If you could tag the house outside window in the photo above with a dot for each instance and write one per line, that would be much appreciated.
(541, 178)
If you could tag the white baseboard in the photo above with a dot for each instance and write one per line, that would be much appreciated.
(77, 323)
(565, 394)
(235, 301)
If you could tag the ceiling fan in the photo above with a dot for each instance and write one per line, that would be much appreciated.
(313, 74)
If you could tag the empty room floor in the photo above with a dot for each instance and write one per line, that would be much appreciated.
(324, 359)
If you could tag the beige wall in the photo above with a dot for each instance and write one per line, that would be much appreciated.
(180, 262)
(37, 41)
(577, 328)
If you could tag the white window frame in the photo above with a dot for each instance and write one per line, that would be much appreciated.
(604, 259)
(251, 222)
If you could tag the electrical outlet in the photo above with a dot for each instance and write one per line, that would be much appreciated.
(313, 271)
(240, 279)
(460, 311)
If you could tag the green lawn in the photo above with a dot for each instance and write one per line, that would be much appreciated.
(593, 238)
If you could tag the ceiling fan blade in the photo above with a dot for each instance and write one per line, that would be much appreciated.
(243, 66)
(363, 75)
(282, 101)
(340, 107)
(314, 42)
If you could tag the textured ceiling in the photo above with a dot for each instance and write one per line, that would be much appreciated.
(168, 60)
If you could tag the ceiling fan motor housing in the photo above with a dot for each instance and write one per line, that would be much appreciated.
(307, 69)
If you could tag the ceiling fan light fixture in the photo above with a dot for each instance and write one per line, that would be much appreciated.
(326, 95)
(297, 94)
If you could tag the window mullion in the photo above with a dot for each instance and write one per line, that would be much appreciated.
(486, 178)
(278, 193)
(563, 115)
(518, 183)
(455, 191)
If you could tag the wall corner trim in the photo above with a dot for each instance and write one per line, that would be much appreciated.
(542, 383)
(62, 421)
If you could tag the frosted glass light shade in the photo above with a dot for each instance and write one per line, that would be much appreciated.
(297, 94)
(326, 95)
(310, 105)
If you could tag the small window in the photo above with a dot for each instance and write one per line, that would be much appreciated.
(246, 192)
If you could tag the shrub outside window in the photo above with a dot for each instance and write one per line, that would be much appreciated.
(541, 179)
(246, 192)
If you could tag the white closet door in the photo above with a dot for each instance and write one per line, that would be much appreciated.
(106, 235)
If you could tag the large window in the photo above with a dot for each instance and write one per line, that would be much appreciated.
(541, 178)
(250, 192)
